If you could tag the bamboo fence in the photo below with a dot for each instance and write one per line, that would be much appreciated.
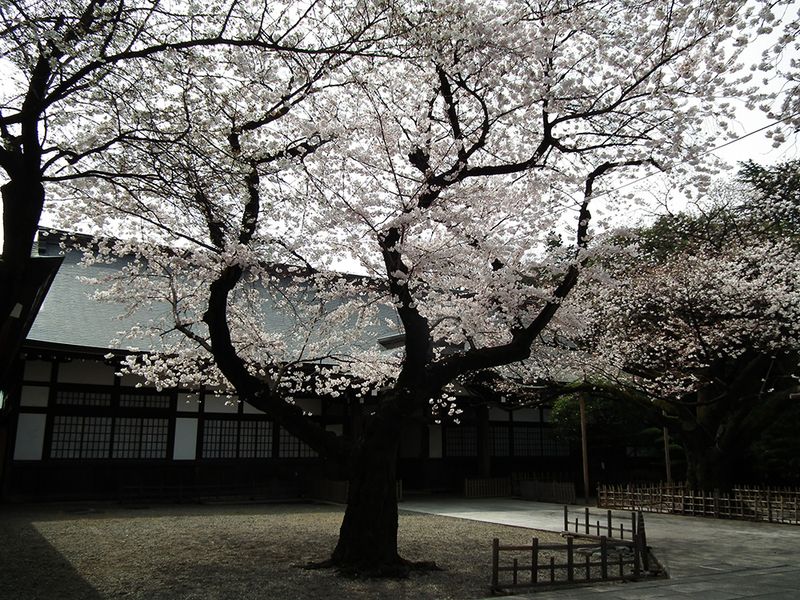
(774, 505)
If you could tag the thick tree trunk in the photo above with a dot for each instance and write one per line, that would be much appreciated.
(368, 536)
(22, 207)
(708, 468)
(367, 545)
(484, 437)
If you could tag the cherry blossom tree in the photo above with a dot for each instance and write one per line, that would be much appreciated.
(61, 61)
(439, 165)
(701, 325)
(781, 68)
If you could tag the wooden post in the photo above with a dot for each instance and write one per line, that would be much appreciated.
(495, 562)
(566, 518)
(483, 441)
(642, 535)
(535, 560)
(667, 460)
(769, 506)
(584, 448)
(552, 569)
(570, 560)
(672, 492)
(610, 532)
(516, 568)
(603, 557)
(587, 520)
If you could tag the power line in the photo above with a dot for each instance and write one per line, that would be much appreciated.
(746, 135)
(706, 153)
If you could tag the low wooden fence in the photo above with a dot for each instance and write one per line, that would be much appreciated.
(774, 505)
(584, 522)
(562, 492)
(490, 487)
(582, 563)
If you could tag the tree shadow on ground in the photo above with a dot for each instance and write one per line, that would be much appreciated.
(34, 570)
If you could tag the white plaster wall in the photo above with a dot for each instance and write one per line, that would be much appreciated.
(497, 414)
(30, 437)
(435, 441)
(335, 428)
(129, 380)
(86, 371)
(37, 370)
(214, 404)
(252, 410)
(526, 415)
(312, 405)
(185, 439)
(188, 403)
(34, 395)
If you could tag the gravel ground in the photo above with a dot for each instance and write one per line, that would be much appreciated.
(228, 552)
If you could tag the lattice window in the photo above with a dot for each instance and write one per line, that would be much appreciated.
(527, 441)
(293, 447)
(552, 446)
(140, 438)
(144, 400)
(219, 438)
(127, 438)
(66, 440)
(255, 439)
(461, 440)
(96, 441)
(83, 398)
(155, 433)
(500, 442)
(80, 437)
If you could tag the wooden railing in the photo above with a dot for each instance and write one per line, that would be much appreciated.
(583, 522)
(582, 563)
(490, 487)
(562, 492)
(774, 505)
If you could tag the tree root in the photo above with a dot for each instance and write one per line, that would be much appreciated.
(398, 569)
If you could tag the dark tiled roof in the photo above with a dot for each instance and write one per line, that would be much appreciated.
(71, 316)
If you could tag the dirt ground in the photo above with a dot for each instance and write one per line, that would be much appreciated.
(187, 552)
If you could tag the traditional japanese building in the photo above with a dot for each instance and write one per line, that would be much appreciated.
(76, 428)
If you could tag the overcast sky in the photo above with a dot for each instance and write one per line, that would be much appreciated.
(750, 146)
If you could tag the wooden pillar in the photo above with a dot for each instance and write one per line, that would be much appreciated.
(667, 460)
(484, 443)
(584, 449)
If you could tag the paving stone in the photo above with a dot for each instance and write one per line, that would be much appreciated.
(707, 559)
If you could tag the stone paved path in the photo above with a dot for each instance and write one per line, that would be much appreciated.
(707, 559)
